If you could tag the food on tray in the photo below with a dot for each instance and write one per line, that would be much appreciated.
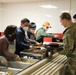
(39, 51)
(10, 73)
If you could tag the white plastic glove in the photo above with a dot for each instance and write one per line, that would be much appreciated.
(39, 44)
(3, 61)
(56, 36)
(18, 58)
(32, 48)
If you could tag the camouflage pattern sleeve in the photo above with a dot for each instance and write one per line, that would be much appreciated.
(69, 43)
(68, 47)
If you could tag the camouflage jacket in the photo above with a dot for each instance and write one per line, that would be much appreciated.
(69, 41)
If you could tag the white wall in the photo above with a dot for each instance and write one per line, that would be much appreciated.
(0, 16)
(14, 12)
(73, 7)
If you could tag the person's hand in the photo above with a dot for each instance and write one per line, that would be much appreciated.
(39, 44)
(4, 61)
(32, 48)
(17, 58)
(56, 36)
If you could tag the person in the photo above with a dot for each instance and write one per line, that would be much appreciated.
(7, 43)
(69, 43)
(3, 61)
(74, 17)
(22, 41)
(32, 37)
(41, 33)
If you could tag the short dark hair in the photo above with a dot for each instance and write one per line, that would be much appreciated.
(32, 25)
(25, 20)
(65, 15)
(74, 16)
(10, 29)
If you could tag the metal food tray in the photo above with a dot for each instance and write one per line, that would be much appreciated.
(32, 54)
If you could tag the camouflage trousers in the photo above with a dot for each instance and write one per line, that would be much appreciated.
(70, 68)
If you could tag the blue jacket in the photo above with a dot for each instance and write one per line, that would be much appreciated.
(21, 42)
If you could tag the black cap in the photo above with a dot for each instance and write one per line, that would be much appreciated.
(32, 25)
(74, 16)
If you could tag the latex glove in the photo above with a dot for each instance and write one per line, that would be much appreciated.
(32, 48)
(39, 44)
(18, 58)
(56, 36)
(4, 61)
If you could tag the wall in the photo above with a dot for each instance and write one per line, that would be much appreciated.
(73, 7)
(14, 12)
(0, 16)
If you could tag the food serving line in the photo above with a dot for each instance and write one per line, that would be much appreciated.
(49, 62)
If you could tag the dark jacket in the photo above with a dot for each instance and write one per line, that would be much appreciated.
(21, 42)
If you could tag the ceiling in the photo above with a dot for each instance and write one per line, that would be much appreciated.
(15, 1)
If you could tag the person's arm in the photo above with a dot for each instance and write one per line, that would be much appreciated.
(20, 40)
(4, 47)
(42, 33)
(32, 41)
(3, 61)
(35, 42)
(68, 42)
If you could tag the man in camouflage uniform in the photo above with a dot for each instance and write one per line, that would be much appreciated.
(69, 41)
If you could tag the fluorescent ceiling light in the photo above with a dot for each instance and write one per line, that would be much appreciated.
(48, 15)
(48, 6)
